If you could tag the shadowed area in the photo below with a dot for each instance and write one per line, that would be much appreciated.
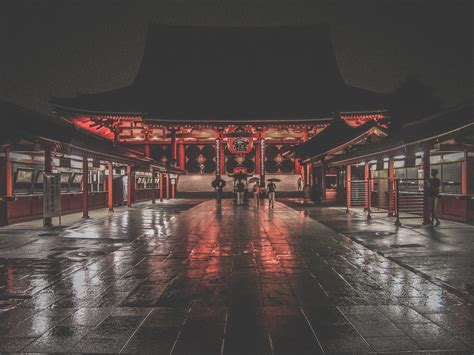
(218, 280)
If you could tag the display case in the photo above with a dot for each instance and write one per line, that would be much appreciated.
(23, 180)
(76, 181)
(38, 184)
(65, 180)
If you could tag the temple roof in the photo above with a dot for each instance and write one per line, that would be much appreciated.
(23, 124)
(457, 122)
(200, 72)
(336, 137)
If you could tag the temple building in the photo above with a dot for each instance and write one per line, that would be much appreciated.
(221, 100)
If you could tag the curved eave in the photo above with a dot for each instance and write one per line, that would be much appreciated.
(226, 121)
(346, 144)
(93, 112)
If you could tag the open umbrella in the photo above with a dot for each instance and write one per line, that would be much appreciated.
(274, 180)
(216, 182)
(254, 179)
(240, 176)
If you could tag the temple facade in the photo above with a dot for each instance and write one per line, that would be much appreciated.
(220, 101)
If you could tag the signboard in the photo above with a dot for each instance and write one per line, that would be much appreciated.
(239, 170)
(52, 195)
(240, 141)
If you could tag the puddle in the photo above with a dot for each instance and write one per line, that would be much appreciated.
(48, 234)
(407, 246)
(384, 234)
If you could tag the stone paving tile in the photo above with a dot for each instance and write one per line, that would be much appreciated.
(220, 281)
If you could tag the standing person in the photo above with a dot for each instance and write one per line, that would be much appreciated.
(240, 192)
(299, 183)
(218, 185)
(433, 192)
(271, 188)
(256, 194)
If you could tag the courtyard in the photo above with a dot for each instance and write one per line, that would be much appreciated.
(193, 277)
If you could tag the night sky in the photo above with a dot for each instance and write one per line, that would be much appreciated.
(64, 47)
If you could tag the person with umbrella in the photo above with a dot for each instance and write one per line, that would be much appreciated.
(218, 185)
(256, 190)
(240, 192)
(271, 189)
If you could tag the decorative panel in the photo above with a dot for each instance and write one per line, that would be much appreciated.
(200, 159)
(275, 162)
(161, 152)
(239, 160)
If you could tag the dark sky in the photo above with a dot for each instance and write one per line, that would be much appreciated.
(60, 47)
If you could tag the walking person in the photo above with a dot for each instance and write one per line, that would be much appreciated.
(256, 194)
(271, 188)
(240, 192)
(434, 184)
(218, 185)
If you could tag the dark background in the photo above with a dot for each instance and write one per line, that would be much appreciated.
(64, 47)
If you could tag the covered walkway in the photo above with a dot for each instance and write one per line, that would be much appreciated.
(183, 278)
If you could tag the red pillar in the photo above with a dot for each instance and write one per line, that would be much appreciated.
(257, 158)
(85, 187)
(153, 186)
(348, 187)
(110, 194)
(161, 187)
(48, 169)
(297, 166)
(323, 180)
(167, 176)
(174, 151)
(262, 162)
(9, 176)
(426, 176)
(181, 157)
(464, 174)
(367, 187)
(129, 186)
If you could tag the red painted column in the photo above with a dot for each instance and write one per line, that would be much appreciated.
(181, 156)
(161, 187)
(367, 187)
(464, 174)
(172, 190)
(48, 169)
(257, 157)
(323, 180)
(129, 186)
(262, 161)
(348, 187)
(167, 176)
(85, 187)
(153, 186)
(426, 176)
(110, 194)
(9, 176)
(174, 151)
(297, 166)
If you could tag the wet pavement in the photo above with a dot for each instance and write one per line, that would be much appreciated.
(173, 278)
